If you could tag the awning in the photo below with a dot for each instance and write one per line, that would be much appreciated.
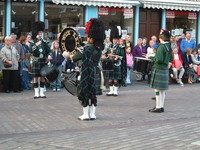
(99, 3)
(30, 0)
(172, 4)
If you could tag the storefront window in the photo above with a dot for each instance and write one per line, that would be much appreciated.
(23, 15)
(122, 17)
(2, 20)
(179, 22)
(58, 17)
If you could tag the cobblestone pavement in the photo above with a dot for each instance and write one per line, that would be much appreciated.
(123, 122)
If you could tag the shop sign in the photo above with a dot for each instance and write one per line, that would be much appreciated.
(192, 15)
(170, 14)
(128, 12)
(103, 11)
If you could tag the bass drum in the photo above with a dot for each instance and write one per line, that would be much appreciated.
(49, 72)
(70, 82)
(69, 40)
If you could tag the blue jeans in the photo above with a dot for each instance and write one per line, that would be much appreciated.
(25, 78)
(57, 83)
(128, 77)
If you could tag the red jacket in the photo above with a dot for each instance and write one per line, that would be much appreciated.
(180, 58)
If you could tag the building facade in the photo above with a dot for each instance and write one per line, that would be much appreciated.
(137, 18)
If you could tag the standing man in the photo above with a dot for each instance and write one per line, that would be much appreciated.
(18, 46)
(41, 52)
(187, 43)
(160, 73)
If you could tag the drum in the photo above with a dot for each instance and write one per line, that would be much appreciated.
(108, 64)
(49, 72)
(70, 82)
(141, 65)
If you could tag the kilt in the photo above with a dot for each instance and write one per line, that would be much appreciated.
(113, 75)
(97, 81)
(37, 66)
(159, 79)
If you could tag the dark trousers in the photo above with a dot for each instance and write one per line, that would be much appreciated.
(10, 80)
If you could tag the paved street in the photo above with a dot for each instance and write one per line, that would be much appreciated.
(123, 122)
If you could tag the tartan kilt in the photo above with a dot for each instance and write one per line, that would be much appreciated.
(37, 66)
(97, 81)
(113, 75)
(159, 79)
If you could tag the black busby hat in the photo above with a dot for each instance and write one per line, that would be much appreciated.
(36, 27)
(95, 29)
(114, 33)
(165, 34)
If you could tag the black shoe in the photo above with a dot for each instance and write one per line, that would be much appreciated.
(153, 98)
(16, 91)
(115, 95)
(43, 97)
(36, 97)
(162, 109)
(109, 94)
(7, 91)
(155, 110)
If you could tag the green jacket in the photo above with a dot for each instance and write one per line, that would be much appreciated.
(41, 49)
(163, 56)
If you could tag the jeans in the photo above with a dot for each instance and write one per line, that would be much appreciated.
(25, 79)
(57, 83)
(128, 77)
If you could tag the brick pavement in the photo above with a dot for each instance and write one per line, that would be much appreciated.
(123, 122)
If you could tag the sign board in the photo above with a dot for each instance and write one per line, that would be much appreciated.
(192, 15)
(170, 14)
(103, 11)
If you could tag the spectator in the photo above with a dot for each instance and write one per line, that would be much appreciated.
(57, 38)
(20, 51)
(129, 64)
(150, 51)
(28, 40)
(175, 43)
(25, 73)
(182, 37)
(188, 65)
(10, 55)
(187, 43)
(139, 51)
(127, 42)
(194, 60)
(123, 63)
(144, 42)
(22, 40)
(57, 60)
(177, 65)
(154, 38)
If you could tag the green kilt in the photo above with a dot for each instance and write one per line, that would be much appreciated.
(113, 75)
(37, 66)
(97, 81)
(159, 79)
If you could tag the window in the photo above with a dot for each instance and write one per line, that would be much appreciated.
(2, 20)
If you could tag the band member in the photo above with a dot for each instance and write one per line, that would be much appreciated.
(160, 73)
(116, 53)
(40, 52)
(90, 73)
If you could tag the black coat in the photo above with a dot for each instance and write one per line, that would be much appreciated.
(57, 60)
(186, 61)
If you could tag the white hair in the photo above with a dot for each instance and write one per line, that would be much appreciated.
(8, 38)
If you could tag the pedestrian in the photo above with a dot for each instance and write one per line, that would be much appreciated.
(187, 43)
(90, 72)
(40, 52)
(57, 60)
(25, 73)
(9, 55)
(160, 74)
(129, 66)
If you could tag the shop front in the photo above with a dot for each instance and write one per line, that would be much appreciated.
(179, 22)
(123, 17)
(2, 20)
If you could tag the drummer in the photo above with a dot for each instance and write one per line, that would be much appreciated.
(40, 52)
(114, 52)
(139, 51)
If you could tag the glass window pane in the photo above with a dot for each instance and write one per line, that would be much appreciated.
(23, 15)
(2, 19)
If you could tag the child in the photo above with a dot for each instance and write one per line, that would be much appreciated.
(129, 62)
(177, 65)
(25, 73)
(188, 65)
(57, 60)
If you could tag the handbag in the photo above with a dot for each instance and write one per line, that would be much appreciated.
(7, 65)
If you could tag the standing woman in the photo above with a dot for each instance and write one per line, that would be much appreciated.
(9, 55)
(90, 73)
(160, 73)
(41, 52)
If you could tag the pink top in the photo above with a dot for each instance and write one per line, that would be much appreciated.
(129, 60)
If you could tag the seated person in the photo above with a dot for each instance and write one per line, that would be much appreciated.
(177, 65)
(194, 59)
(69, 66)
(188, 65)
